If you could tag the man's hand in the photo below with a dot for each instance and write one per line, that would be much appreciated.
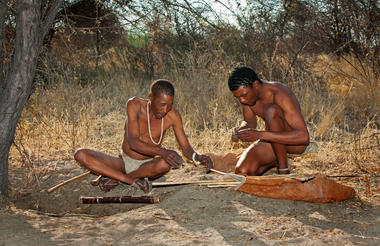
(248, 135)
(204, 159)
(172, 158)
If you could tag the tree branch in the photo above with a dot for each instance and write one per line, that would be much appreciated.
(49, 18)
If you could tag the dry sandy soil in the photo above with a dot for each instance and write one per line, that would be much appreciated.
(187, 215)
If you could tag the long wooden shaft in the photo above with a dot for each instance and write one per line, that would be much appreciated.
(352, 176)
(196, 182)
(221, 185)
(69, 181)
(120, 199)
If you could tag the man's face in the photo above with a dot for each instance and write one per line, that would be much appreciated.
(247, 95)
(161, 104)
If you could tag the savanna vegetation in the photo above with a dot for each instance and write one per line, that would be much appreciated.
(97, 54)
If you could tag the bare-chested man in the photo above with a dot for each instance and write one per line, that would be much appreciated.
(142, 154)
(286, 131)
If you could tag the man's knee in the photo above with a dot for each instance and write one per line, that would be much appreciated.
(273, 111)
(248, 166)
(241, 170)
(162, 167)
(246, 171)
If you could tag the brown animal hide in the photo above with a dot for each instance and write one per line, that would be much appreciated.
(225, 163)
(317, 189)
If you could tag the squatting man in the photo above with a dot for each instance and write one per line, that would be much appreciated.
(285, 128)
(142, 155)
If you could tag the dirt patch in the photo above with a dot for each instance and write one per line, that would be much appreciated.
(187, 215)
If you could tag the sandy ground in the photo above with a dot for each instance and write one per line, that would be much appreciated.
(187, 215)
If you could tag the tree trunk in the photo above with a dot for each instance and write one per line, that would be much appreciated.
(30, 30)
(3, 11)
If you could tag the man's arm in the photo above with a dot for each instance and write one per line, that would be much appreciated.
(249, 116)
(170, 156)
(249, 122)
(184, 144)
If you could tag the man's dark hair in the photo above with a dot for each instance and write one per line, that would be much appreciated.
(162, 86)
(242, 76)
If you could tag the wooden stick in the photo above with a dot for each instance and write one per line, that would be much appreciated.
(196, 182)
(69, 181)
(221, 185)
(95, 182)
(236, 177)
(352, 176)
(216, 171)
(120, 199)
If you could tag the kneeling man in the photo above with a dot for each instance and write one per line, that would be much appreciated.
(142, 155)
(285, 132)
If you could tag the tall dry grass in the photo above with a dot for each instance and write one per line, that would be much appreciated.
(88, 110)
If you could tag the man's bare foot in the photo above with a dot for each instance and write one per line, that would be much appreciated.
(107, 185)
(143, 184)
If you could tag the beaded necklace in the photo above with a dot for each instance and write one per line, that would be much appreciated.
(162, 126)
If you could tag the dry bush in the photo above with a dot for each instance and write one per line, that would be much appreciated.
(356, 81)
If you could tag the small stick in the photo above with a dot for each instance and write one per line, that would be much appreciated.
(69, 181)
(95, 182)
(216, 171)
(236, 177)
(120, 199)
